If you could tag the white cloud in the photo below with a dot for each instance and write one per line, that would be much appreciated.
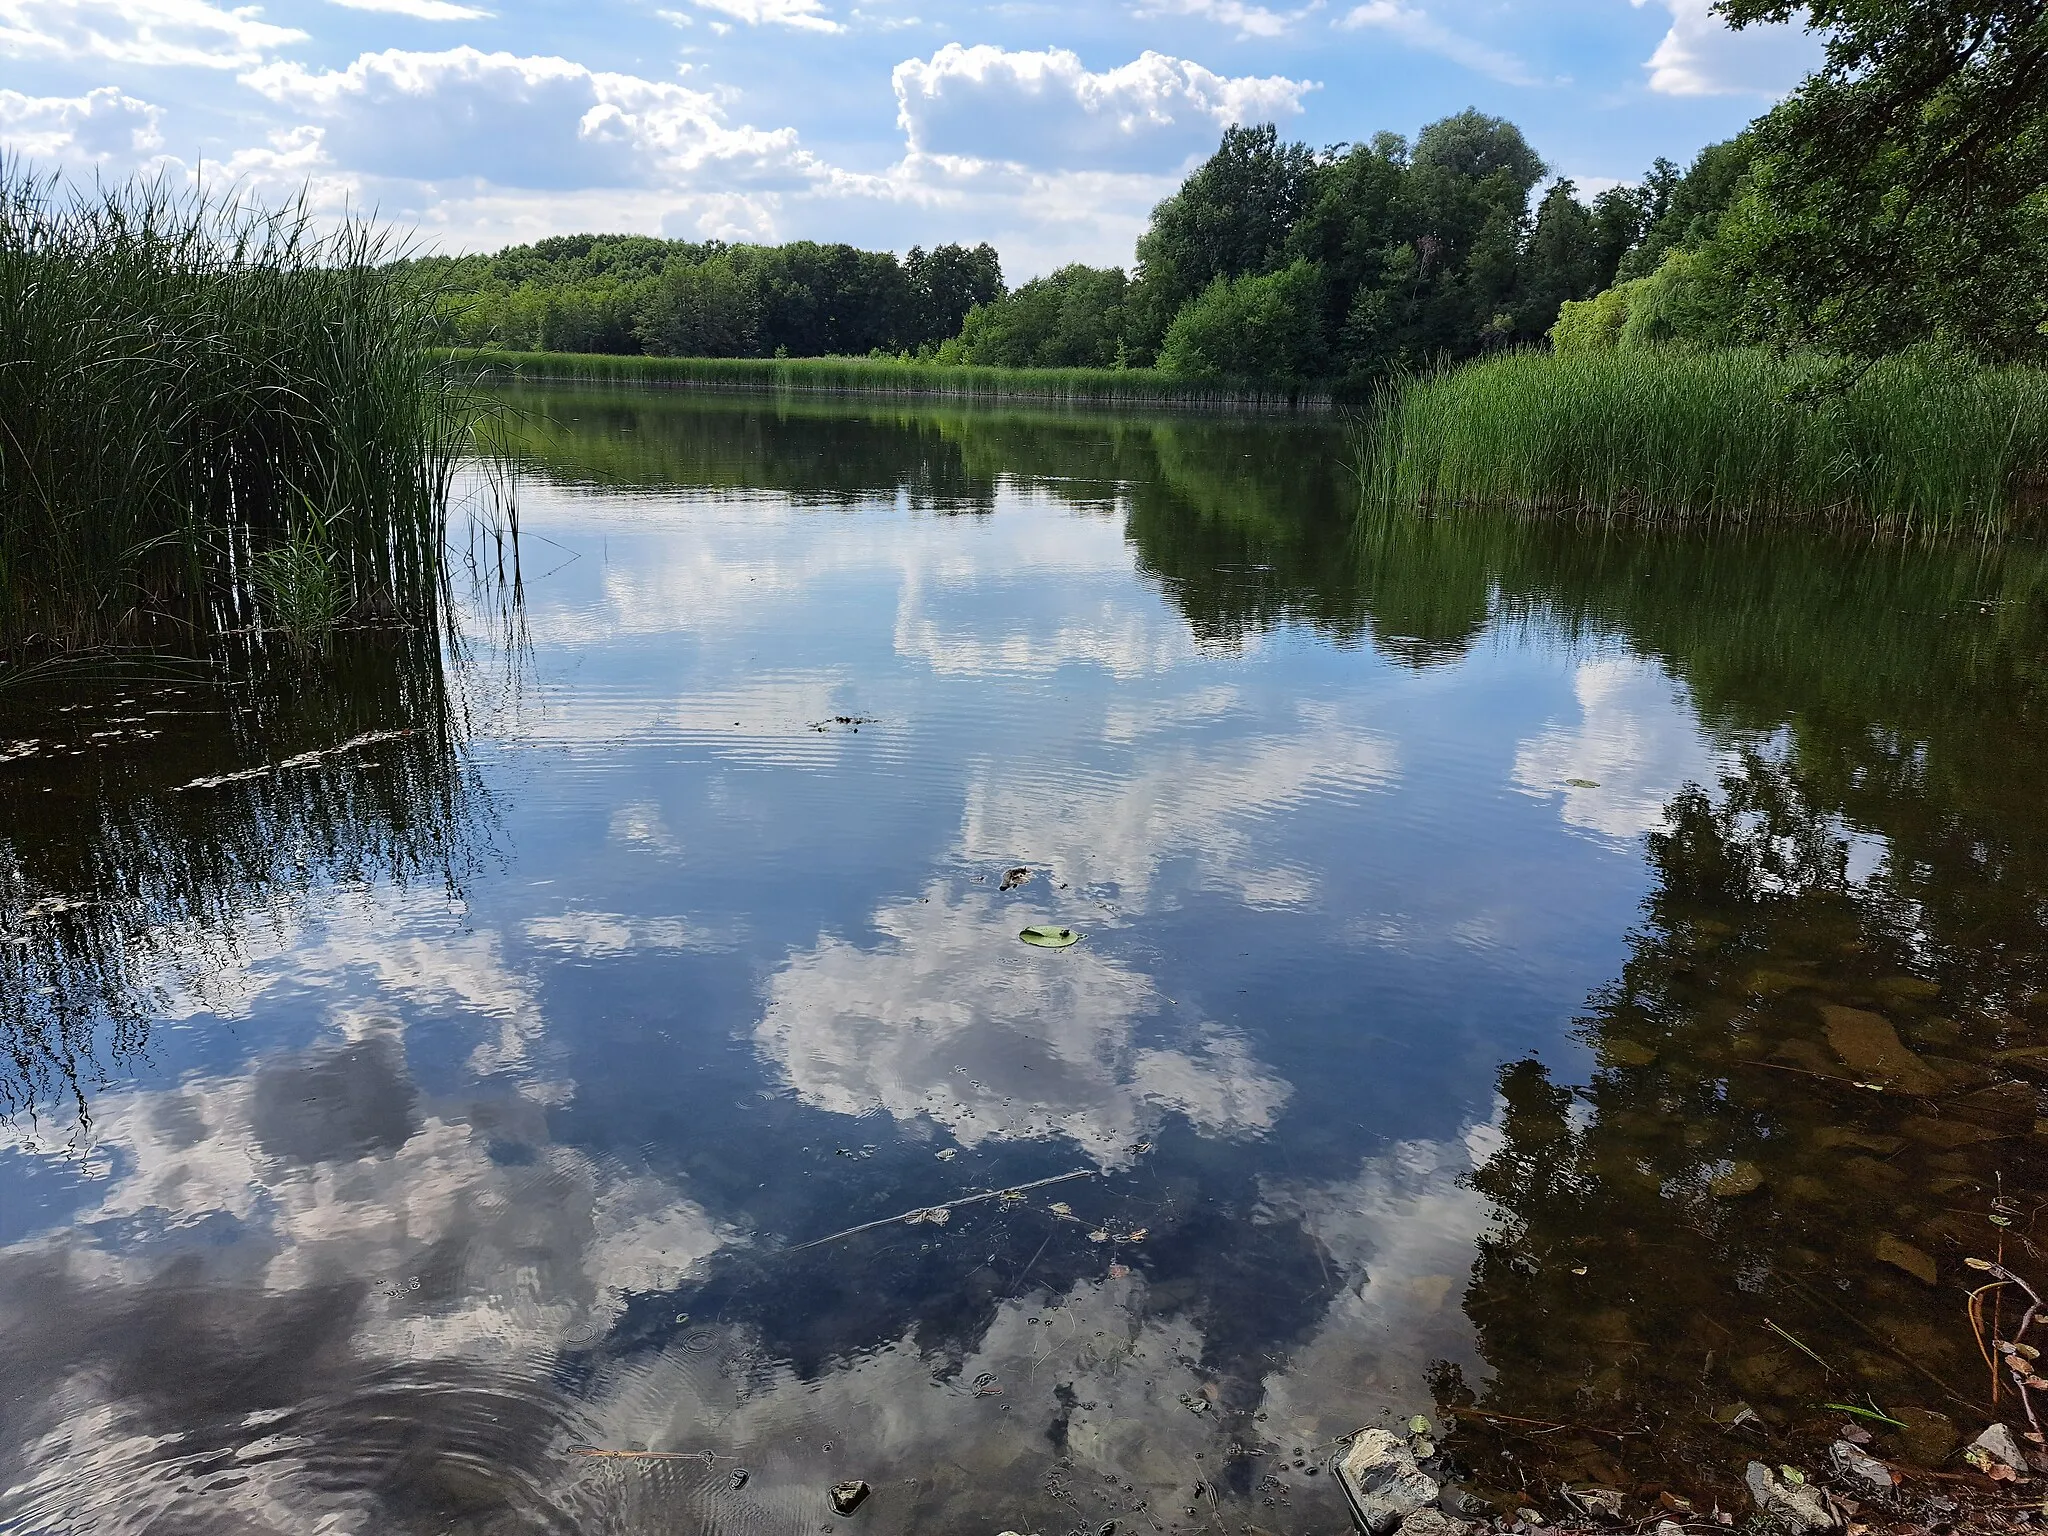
(1419, 29)
(1049, 110)
(806, 15)
(951, 1018)
(530, 122)
(100, 128)
(419, 10)
(1249, 20)
(1701, 56)
(190, 33)
(1636, 744)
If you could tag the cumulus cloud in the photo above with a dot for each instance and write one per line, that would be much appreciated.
(527, 122)
(806, 15)
(189, 33)
(950, 1018)
(102, 127)
(1049, 110)
(1419, 29)
(1635, 745)
(1701, 56)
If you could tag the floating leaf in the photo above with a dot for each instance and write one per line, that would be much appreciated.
(1418, 1425)
(937, 1216)
(1099, 1235)
(1047, 937)
(1061, 1209)
(1582, 783)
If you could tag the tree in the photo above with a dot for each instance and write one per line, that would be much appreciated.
(1265, 326)
(1072, 318)
(702, 309)
(1562, 262)
(945, 284)
(1230, 218)
(1901, 193)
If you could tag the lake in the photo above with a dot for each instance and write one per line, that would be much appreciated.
(1578, 984)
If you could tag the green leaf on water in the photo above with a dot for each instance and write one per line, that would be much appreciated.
(1582, 783)
(1047, 937)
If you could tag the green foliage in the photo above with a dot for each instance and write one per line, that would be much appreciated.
(1919, 441)
(188, 383)
(1900, 195)
(1253, 327)
(1592, 325)
(1230, 218)
(625, 294)
(1072, 319)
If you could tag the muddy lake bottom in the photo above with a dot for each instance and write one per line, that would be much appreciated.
(1580, 985)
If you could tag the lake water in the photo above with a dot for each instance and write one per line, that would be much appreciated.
(1571, 983)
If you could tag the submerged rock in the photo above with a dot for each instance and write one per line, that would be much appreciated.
(847, 1497)
(1901, 1254)
(1868, 1043)
(1861, 1467)
(1798, 1505)
(1433, 1522)
(1736, 1180)
(1930, 1437)
(1380, 1477)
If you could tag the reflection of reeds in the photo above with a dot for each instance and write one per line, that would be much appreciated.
(187, 384)
(151, 879)
(1916, 442)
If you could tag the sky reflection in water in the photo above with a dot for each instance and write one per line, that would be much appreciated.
(398, 1189)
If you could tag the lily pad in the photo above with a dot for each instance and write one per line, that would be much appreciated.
(1046, 937)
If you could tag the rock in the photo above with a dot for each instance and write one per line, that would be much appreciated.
(2003, 1447)
(1862, 1468)
(1736, 1180)
(1668, 1528)
(1456, 1499)
(1901, 1254)
(1795, 1504)
(1379, 1476)
(1930, 1438)
(1868, 1044)
(1433, 1522)
(847, 1497)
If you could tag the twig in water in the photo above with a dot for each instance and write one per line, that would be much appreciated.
(948, 1205)
(1816, 1359)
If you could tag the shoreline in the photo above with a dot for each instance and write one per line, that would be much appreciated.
(857, 376)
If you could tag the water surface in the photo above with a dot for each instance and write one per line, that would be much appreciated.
(1516, 962)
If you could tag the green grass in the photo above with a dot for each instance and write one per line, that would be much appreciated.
(884, 376)
(1915, 444)
(187, 384)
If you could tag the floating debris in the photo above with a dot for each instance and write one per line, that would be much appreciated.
(947, 1154)
(1044, 937)
(935, 1215)
(302, 760)
(1012, 878)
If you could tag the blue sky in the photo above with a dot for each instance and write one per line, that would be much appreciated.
(1048, 127)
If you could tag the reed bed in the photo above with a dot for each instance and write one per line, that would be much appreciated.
(1915, 443)
(189, 386)
(889, 376)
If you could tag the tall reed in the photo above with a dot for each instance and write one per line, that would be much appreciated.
(187, 383)
(891, 376)
(1917, 442)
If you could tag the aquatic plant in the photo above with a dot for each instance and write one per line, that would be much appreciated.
(1916, 442)
(188, 383)
(889, 376)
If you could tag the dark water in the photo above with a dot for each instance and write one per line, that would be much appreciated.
(1525, 971)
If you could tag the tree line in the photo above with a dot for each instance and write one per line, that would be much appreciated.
(676, 298)
(1898, 198)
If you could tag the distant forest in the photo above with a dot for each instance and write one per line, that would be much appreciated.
(1898, 198)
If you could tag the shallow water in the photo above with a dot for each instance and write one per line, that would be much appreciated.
(1527, 976)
